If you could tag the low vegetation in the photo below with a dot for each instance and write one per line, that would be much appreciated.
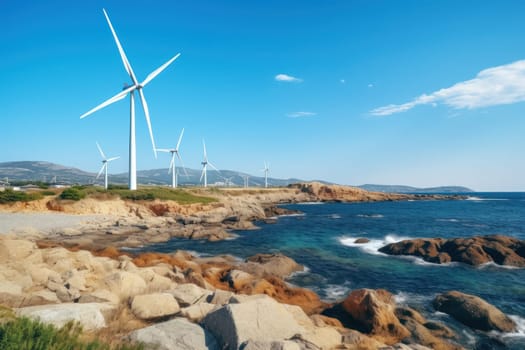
(26, 334)
(10, 196)
(74, 193)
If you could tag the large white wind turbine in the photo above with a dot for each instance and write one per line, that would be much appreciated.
(174, 152)
(205, 164)
(105, 162)
(136, 86)
(266, 170)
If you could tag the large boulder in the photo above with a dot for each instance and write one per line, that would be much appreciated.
(18, 250)
(473, 312)
(125, 284)
(258, 320)
(178, 333)
(188, 294)
(475, 251)
(373, 312)
(151, 306)
(90, 316)
(278, 265)
(197, 312)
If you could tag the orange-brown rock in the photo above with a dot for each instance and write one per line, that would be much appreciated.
(478, 250)
(373, 311)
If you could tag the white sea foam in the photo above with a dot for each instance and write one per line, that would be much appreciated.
(478, 199)
(448, 220)
(373, 246)
(492, 264)
(335, 216)
(520, 327)
(306, 270)
(310, 203)
(291, 215)
(371, 216)
(407, 298)
(336, 292)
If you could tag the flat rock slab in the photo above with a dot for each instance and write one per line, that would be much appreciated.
(150, 306)
(178, 334)
(90, 315)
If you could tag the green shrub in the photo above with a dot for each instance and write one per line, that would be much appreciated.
(161, 193)
(47, 193)
(74, 193)
(25, 334)
(9, 196)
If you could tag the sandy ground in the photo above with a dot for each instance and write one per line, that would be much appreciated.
(35, 224)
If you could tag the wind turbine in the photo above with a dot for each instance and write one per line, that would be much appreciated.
(174, 152)
(205, 164)
(136, 86)
(266, 170)
(104, 168)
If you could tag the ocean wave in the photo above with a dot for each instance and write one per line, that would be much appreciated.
(520, 327)
(373, 245)
(335, 216)
(336, 292)
(306, 270)
(310, 203)
(492, 264)
(479, 199)
(447, 220)
(407, 298)
(291, 215)
(371, 216)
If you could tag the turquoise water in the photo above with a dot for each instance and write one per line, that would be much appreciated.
(322, 239)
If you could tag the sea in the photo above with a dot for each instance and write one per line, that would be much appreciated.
(322, 239)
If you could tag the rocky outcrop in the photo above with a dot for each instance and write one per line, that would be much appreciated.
(473, 312)
(258, 320)
(178, 333)
(501, 250)
(373, 312)
(278, 265)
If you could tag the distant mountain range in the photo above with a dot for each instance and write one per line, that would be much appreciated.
(50, 172)
(409, 189)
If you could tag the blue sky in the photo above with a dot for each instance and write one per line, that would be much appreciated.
(422, 93)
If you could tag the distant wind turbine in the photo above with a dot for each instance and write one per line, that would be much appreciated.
(104, 168)
(174, 152)
(205, 164)
(136, 86)
(266, 170)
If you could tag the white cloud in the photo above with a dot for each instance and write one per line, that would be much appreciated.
(300, 114)
(287, 78)
(493, 86)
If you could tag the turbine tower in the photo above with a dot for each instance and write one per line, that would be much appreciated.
(135, 86)
(266, 170)
(205, 164)
(174, 152)
(104, 168)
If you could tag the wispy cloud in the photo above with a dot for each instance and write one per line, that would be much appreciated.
(493, 86)
(287, 78)
(300, 114)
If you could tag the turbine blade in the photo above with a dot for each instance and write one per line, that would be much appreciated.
(202, 174)
(180, 139)
(157, 71)
(148, 121)
(111, 159)
(163, 150)
(182, 164)
(171, 165)
(100, 150)
(113, 99)
(127, 66)
(213, 166)
(205, 156)
(101, 170)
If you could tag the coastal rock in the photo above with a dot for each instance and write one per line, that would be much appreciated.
(373, 312)
(501, 250)
(188, 294)
(125, 284)
(197, 312)
(90, 316)
(270, 345)
(353, 339)
(278, 265)
(361, 240)
(178, 333)
(473, 312)
(258, 320)
(18, 250)
(151, 306)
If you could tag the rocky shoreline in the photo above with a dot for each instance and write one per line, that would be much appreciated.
(182, 301)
